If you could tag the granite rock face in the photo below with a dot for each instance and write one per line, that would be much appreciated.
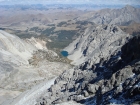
(114, 79)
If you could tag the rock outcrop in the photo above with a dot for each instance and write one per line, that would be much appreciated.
(115, 79)
(96, 43)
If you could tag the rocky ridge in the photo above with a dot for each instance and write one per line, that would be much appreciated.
(96, 43)
(123, 16)
(115, 79)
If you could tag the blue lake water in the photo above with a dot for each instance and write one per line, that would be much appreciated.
(64, 53)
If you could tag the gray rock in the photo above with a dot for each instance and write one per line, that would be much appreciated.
(123, 16)
(92, 88)
(103, 81)
(106, 42)
(85, 93)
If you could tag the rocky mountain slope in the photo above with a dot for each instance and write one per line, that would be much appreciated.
(124, 16)
(107, 61)
(17, 75)
(11, 45)
(96, 43)
(114, 79)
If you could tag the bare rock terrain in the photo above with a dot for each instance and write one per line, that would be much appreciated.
(123, 16)
(17, 75)
(96, 43)
(113, 80)
(105, 59)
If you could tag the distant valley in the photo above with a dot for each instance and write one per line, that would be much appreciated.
(62, 26)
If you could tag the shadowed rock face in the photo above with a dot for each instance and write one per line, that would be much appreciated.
(131, 51)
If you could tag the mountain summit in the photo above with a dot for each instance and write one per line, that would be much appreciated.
(122, 16)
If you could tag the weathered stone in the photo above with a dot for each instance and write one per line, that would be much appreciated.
(85, 93)
(92, 88)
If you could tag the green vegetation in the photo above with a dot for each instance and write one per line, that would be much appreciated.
(84, 22)
(36, 29)
(48, 31)
(62, 39)
(58, 44)
(65, 37)
(65, 34)
(61, 23)
(51, 25)
(25, 35)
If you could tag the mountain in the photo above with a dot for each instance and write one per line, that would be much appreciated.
(114, 78)
(124, 16)
(18, 70)
(23, 18)
(15, 50)
(105, 59)
(96, 43)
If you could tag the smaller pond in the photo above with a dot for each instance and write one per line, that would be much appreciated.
(64, 53)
